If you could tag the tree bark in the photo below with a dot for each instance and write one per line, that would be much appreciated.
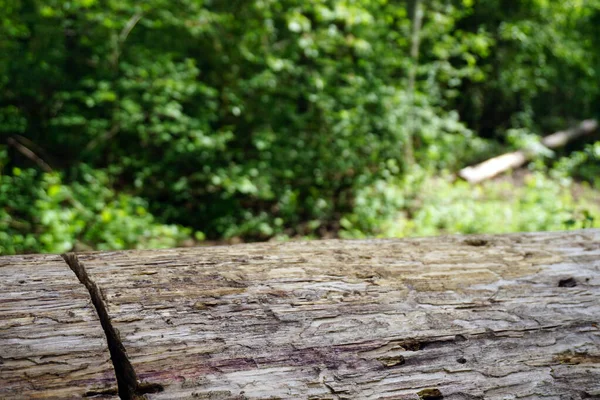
(416, 12)
(462, 317)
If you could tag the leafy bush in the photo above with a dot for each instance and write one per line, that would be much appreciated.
(243, 119)
(583, 165)
(39, 213)
(432, 206)
(264, 118)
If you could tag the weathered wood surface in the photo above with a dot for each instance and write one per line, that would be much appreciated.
(51, 344)
(486, 317)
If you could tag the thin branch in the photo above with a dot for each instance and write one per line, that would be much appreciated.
(417, 22)
(107, 136)
(129, 26)
(29, 154)
(123, 36)
(32, 145)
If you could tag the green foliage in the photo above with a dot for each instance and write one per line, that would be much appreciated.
(583, 164)
(243, 119)
(539, 205)
(539, 71)
(39, 213)
(423, 206)
(264, 118)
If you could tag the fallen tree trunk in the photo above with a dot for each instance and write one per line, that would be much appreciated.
(475, 317)
(497, 165)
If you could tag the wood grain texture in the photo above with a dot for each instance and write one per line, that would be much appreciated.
(466, 317)
(476, 317)
(51, 343)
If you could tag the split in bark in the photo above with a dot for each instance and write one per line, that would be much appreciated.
(129, 388)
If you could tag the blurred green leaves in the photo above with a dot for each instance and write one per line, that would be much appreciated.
(40, 213)
(265, 118)
(423, 205)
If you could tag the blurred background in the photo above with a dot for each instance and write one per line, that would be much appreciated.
(128, 124)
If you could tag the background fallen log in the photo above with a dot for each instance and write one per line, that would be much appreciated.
(495, 166)
(485, 317)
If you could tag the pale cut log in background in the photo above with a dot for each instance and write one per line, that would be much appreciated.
(485, 317)
(497, 165)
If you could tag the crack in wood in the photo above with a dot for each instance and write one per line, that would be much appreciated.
(128, 386)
